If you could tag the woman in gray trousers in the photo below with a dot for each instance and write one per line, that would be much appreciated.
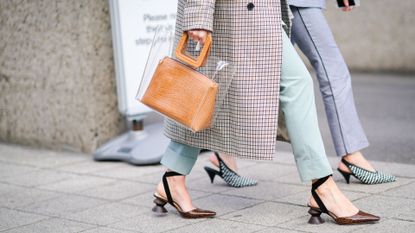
(311, 32)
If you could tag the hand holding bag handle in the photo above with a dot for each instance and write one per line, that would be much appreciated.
(194, 62)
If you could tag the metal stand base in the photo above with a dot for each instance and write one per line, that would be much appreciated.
(142, 147)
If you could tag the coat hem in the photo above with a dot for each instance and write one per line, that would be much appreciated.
(217, 149)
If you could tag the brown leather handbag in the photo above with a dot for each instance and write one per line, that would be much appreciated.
(180, 92)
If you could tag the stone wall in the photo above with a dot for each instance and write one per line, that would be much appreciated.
(377, 36)
(57, 86)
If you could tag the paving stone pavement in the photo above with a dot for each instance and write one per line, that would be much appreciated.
(47, 191)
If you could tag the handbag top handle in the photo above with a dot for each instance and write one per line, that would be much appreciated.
(188, 59)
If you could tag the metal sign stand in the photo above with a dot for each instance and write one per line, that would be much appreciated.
(139, 146)
(131, 24)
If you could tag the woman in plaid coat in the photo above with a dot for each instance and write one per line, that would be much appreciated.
(269, 75)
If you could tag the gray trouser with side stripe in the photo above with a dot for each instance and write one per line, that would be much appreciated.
(312, 34)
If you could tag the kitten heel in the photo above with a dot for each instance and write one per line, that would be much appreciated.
(346, 175)
(212, 173)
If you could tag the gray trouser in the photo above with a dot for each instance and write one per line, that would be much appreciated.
(312, 34)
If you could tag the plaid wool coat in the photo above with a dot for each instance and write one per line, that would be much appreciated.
(247, 33)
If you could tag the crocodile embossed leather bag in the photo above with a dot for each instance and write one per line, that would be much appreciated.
(180, 92)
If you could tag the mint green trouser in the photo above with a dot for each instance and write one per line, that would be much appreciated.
(297, 103)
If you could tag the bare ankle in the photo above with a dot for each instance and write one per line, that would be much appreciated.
(213, 160)
(350, 157)
(357, 158)
(229, 161)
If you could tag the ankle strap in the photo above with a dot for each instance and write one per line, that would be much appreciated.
(166, 184)
(319, 182)
(314, 186)
(172, 173)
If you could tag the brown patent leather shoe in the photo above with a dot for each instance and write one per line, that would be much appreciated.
(161, 201)
(360, 217)
(315, 212)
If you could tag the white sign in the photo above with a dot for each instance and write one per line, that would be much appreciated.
(133, 25)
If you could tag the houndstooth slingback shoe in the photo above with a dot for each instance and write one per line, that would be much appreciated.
(365, 176)
(230, 177)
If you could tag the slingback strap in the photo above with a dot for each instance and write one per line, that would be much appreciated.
(315, 186)
(166, 185)
(229, 176)
(222, 164)
(346, 163)
(217, 156)
(350, 165)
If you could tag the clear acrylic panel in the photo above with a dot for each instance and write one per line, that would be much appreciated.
(161, 47)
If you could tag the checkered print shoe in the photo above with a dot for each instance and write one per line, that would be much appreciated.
(230, 177)
(365, 176)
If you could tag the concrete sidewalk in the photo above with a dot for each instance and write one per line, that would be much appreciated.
(46, 191)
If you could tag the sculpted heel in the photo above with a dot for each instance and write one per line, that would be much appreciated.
(358, 218)
(315, 216)
(159, 207)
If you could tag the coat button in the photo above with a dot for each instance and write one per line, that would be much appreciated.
(250, 6)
